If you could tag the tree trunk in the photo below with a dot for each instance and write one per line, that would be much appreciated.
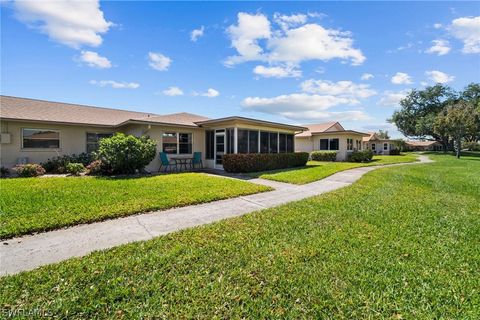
(459, 147)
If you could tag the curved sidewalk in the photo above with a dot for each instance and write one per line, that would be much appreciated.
(29, 252)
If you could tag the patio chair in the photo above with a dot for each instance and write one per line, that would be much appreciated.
(197, 160)
(165, 162)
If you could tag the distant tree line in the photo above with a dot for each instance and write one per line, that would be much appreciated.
(441, 113)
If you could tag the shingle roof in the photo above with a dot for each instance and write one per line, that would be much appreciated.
(371, 135)
(40, 110)
(318, 127)
(420, 143)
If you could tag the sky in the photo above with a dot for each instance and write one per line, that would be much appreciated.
(290, 62)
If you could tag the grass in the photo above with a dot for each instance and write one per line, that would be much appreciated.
(38, 204)
(401, 243)
(317, 170)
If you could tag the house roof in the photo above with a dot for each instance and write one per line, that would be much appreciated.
(316, 128)
(250, 120)
(324, 128)
(371, 136)
(420, 143)
(14, 108)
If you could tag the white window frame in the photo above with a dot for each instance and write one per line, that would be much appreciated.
(177, 133)
(385, 146)
(40, 149)
(329, 139)
(348, 144)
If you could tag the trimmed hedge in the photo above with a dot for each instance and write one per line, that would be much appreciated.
(394, 152)
(323, 155)
(59, 164)
(361, 156)
(254, 162)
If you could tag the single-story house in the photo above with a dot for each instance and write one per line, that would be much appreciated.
(377, 145)
(430, 145)
(329, 136)
(33, 131)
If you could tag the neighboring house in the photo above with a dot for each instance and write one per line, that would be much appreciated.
(329, 137)
(424, 145)
(33, 131)
(377, 145)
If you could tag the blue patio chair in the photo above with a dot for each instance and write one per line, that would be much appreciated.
(165, 162)
(197, 159)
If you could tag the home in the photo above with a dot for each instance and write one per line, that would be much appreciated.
(378, 145)
(329, 136)
(33, 131)
(429, 145)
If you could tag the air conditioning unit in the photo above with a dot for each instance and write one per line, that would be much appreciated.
(5, 138)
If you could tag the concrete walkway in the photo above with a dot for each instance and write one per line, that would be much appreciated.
(29, 252)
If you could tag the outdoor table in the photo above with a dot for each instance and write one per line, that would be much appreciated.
(182, 162)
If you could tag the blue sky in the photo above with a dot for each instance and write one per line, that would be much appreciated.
(294, 62)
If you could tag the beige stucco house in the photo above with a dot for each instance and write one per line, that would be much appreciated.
(377, 145)
(33, 131)
(329, 136)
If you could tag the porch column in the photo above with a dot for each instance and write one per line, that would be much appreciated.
(235, 140)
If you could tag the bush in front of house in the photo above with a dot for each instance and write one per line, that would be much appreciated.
(126, 154)
(4, 172)
(59, 164)
(75, 168)
(323, 155)
(254, 162)
(95, 168)
(29, 170)
(360, 156)
(394, 152)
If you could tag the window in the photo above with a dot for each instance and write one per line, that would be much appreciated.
(323, 144)
(273, 142)
(209, 144)
(373, 146)
(282, 143)
(169, 142)
(253, 141)
(230, 140)
(385, 146)
(185, 143)
(333, 144)
(242, 141)
(93, 139)
(40, 138)
(290, 143)
(264, 142)
(349, 144)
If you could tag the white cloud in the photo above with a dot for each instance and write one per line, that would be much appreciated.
(340, 88)
(439, 77)
(197, 33)
(93, 59)
(290, 45)
(286, 22)
(401, 78)
(278, 72)
(210, 93)
(72, 23)
(440, 47)
(437, 25)
(173, 91)
(158, 61)
(366, 76)
(115, 84)
(392, 98)
(305, 107)
(467, 29)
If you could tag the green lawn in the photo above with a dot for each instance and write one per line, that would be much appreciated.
(401, 243)
(39, 204)
(316, 170)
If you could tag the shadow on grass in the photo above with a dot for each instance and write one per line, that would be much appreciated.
(472, 155)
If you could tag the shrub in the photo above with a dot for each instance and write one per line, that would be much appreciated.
(253, 162)
(95, 168)
(394, 152)
(4, 172)
(59, 164)
(125, 154)
(361, 156)
(471, 146)
(75, 168)
(29, 170)
(323, 155)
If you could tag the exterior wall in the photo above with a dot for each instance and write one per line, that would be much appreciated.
(73, 140)
(309, 144)
(379, 146)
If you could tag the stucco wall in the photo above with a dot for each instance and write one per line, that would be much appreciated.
(313, 143)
